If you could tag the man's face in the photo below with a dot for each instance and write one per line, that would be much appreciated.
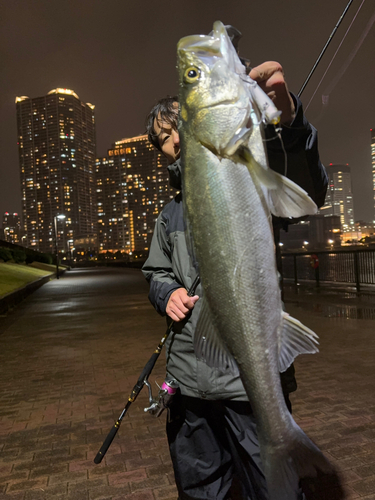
(169, 139)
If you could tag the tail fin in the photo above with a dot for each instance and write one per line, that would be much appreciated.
(298, 459)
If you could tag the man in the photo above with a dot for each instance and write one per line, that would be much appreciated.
(212, 430)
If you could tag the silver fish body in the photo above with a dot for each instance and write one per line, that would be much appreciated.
(226, 182)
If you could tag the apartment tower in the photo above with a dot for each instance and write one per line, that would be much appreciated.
(132, 189)
(11, 229)
(339, 198)
(56, 140)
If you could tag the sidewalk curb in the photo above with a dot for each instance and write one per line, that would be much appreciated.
(13, 298)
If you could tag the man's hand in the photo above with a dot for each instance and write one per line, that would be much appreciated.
(180, 304)
(270, 78)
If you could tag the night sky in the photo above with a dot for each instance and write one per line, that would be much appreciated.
(120, 55)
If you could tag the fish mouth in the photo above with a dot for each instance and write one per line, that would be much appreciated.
(207, 44)
(209, 49)
(200, 44)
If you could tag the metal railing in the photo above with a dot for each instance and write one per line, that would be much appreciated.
(356, 267)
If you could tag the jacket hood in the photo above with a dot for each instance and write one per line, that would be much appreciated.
(174, 170)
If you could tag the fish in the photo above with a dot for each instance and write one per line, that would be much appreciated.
(229, 193)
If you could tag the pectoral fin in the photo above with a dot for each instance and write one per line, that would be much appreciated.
(284, 197)
(295, 339)
(208, 344)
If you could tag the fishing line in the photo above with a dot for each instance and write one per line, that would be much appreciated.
(333, 58)
(278, 136)
(278, 132)
(324, 48)
(350, 58)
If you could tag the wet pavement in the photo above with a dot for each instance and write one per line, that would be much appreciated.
(71, 353)
(333, 302)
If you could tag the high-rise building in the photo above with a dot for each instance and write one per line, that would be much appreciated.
(339, 198)
(373, 165)
(324, 231)
(56, 140)
(132, 189)
(11, 228)
(113, 230)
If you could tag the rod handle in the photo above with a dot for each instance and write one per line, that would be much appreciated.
(107, 443)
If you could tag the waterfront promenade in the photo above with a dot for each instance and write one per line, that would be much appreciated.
(71, 353)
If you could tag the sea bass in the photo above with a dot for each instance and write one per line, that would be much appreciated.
(229, 193)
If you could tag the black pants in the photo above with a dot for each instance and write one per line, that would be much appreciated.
(215, 451)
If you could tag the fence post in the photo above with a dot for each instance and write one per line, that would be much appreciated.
(295, 270)
(314, 262)
(356, 271)
(317, 277)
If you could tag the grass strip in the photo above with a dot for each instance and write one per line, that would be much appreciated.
(14, 276)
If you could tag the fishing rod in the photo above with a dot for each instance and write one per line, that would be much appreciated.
(325, 48)
(325, 96)
(142, 380)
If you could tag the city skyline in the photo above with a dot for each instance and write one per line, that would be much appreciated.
(56, 138)
(124, 59)
(73, 200)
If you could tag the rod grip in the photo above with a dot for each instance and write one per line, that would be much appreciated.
(107, 443)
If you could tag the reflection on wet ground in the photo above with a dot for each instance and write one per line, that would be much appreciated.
(336, 311)
(342, 303)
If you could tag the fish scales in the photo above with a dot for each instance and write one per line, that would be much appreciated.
(229, 193)
(234, 246)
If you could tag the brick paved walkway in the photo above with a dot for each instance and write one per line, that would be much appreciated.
(335, 400)
(70, 355)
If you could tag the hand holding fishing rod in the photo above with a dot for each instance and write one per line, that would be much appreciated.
(155, 408)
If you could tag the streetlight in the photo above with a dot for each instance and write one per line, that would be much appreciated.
(56, 251)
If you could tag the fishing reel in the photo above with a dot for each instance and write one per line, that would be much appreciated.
(163, 399)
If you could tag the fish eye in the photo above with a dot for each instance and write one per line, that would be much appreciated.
(191, 74)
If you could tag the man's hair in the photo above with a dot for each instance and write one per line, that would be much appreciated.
(162, 111)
